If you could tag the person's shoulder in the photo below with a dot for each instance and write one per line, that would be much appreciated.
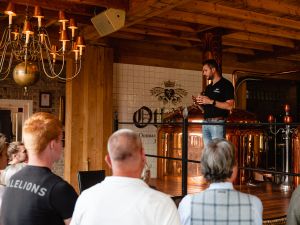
(254, 199)
(20, 172)
(93, 189)
(226, 81)
(152, 195)
(187, 200)
(297, 190)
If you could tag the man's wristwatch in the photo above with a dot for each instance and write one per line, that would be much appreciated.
(214, 103)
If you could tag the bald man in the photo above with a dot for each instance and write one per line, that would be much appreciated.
(124, 198)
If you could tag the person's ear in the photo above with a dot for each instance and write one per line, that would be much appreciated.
(143, 156)
(213, 70)
(51, 144)
(234, 173)
(108, 161)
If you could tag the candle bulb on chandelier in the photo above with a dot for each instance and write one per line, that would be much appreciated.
(10, 11)
(15, 32)
(75, 50)
(27, 30)
(62, 19)
(39, 15)
(42, 36)
(53, 52)
(72, 27)
(80, 44)
(64, 38)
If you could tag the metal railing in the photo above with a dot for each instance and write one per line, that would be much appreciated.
(184, 159)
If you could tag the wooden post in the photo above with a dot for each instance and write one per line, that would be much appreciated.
(212, 48)
(89, 116)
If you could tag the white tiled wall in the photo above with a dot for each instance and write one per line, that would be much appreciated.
(131, 91)
(132, 85)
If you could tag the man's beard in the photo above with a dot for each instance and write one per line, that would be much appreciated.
(210, 77)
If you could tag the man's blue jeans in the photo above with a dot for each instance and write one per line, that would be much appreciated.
(210, 132)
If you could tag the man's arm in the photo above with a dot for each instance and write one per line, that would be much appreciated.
(63, 198)
(67, 221)
(184, 210)
(228, 105)
(225, 105)
(166, 213)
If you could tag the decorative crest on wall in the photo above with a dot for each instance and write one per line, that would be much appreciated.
(168, 93)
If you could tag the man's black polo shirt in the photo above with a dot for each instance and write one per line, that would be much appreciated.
(221, 91)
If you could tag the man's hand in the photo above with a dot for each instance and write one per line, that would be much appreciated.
(203, 100)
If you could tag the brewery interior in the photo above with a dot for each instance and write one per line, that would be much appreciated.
(78, 58)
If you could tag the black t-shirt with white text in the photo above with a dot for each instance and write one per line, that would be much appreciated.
(36, 196)
(221, 91)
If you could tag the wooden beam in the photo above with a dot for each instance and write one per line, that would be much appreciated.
(160, 23)
(117, 4)
(153, 54)
(291, 58)
(151, 49)
(242, 51)
(152, 39)
(140, 10)
(246, 44)
(90, 32)
(68, 7)
(278, 52)
(231, 24)
(226, 11)
(261, 39)
(162, 33)
(278, 6)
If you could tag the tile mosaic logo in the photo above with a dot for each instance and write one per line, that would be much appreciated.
(169, 93)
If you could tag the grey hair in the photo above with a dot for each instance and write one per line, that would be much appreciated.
(218, 160)
(123, 144)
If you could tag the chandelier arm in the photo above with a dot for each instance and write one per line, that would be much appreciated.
(77, 71)
(54, 74)
(4, 38)
(47, 42)
(7, 72)
(50, 65)
(3, 61)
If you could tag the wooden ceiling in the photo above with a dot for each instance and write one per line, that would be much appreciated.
(257, 34)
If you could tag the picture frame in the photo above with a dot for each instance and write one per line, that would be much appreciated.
(45, 99)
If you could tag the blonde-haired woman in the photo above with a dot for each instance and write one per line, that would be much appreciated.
(17, 156)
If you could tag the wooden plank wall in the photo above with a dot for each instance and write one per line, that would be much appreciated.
(89, 113)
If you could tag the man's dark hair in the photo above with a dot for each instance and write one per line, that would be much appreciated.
(213, 64)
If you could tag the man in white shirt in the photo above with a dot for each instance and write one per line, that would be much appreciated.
(220, 203)
(124, 198)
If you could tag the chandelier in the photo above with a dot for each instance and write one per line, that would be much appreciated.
(31, 46)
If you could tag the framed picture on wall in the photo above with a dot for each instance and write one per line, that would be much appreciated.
(45, 100)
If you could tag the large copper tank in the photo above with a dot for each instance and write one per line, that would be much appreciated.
(252, 144)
